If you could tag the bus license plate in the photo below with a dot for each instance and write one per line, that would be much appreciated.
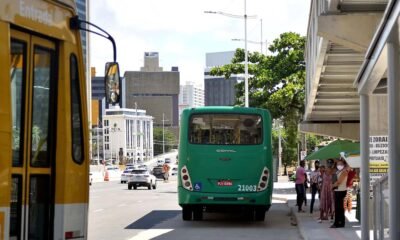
(224, 183)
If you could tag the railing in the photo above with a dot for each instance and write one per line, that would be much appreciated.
(381, 208)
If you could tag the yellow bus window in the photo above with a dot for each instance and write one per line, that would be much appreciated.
(42, 77)
(76, 117)
(18, 75)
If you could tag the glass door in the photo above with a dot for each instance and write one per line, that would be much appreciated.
(33, 79)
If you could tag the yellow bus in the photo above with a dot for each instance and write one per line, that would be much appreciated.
(44, 136)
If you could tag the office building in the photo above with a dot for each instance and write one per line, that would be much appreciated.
(153, 90)
(190, 96)
(127, 135)
(219, 91)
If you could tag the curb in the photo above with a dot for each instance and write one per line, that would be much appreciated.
(299, 224)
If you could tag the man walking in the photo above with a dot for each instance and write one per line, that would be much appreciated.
(300, 189)
(165, 170)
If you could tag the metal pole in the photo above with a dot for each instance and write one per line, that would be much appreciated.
(261, 42)
(393, 52)
(98, 146)
(364, 147)
(246, 67)
(163, 143)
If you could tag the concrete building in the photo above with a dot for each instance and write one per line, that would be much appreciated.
(352, 91)
(190, 96)
(154, 90)
(127, 134)
(219, 91)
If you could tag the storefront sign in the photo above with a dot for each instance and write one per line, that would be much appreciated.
(378, 155)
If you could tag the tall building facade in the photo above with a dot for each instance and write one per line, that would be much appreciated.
(127, 135)
(190, 96)
(153, 90)
(219, 91)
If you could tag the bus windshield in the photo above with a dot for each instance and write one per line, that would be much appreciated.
(225, 129)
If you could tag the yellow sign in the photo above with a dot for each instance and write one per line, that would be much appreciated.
(2, 233)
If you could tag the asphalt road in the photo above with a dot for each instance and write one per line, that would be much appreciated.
(118, 213)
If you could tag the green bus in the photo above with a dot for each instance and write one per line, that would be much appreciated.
(225, 162)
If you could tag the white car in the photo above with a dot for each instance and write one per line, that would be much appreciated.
(160, 162)
(141, 178)
(125, 174)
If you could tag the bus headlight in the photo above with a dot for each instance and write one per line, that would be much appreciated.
(185, 178)
(264, 178)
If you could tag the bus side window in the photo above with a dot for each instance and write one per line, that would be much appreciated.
(76, 112)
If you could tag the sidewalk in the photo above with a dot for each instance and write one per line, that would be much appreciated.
(308, 223)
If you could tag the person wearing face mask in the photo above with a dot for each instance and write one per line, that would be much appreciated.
(340, 189)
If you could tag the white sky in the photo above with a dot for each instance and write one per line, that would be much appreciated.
(182, 33)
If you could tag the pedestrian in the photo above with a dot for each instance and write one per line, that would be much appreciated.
(340, 188)
(326, 201)
(305, 188)
(165, 171)
(300, 189)
(314, 184)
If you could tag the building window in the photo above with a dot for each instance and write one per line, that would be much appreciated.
(106, 131)
(106, 123)
(106, 138)
(107, 147)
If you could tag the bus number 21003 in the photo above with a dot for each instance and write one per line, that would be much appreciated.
(247, 188)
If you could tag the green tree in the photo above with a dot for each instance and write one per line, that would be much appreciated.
(276, 83)
(169, 138)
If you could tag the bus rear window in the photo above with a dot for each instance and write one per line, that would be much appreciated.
(225, 129)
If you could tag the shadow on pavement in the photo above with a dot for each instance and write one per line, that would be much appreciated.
(153, 218)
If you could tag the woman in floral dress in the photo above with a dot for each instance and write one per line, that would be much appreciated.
(326, 201)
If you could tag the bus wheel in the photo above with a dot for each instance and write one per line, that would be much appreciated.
(186, 213)
(198, 213)
(129, 186)
(260, 215)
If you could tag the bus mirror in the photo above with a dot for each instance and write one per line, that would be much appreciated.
(112, 82)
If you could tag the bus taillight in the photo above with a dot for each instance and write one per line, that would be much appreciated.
(185, 178)
(263, 183)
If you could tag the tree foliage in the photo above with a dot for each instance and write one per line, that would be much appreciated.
(276, 83)
(169, 139)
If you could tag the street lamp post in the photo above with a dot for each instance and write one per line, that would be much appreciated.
(246, 67)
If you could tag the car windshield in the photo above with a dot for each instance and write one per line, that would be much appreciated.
(225, 129)
(139, 171)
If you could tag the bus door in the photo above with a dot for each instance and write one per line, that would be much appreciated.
(33, 78)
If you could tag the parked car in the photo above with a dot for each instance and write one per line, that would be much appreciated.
(174, 170)
(143, 166)
(141, 178)
(125, 174)
(160, 162)
(90, 178)
(158, 173)
(168, 161)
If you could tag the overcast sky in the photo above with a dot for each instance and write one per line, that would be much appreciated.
(182, 33)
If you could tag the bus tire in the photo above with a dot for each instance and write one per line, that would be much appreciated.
(259, 215)
(198, 213)
(186, 213)
(129, 186)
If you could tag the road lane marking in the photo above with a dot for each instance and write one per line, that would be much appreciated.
(150, 234)
(98, 210)
(122, 205)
